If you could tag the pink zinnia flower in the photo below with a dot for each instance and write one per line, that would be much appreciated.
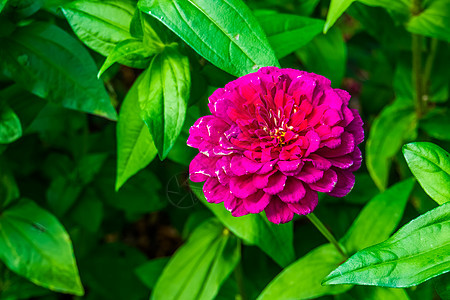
(275, 138)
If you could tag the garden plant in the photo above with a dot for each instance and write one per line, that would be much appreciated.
(224, 149)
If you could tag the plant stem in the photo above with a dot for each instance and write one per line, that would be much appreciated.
(429, 65)
(417, 73)
(239, 275)
(327, 234)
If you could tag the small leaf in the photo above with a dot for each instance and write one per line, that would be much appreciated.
(163, 96)
(10, 127)
(302, 279)
(395, 124)
(135, 148)
(224, 32)
(326, 54)
(437, 124)
(9, 190)
(35, 245)
(432, 21)
(199, 267)
(39, 55)
(416, 253)
(131, 52)
(287, 33)
(101, 25)
(149, 272)
(379, 218)
(430, 164)
(255, 229)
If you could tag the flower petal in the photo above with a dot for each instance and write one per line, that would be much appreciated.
(257, 202)
(293, 191)
(278, 212)
(276, 183)
(326, 183)
(242, 186)
(216, 192)
(306, 204)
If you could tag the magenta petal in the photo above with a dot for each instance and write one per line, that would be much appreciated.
(290, 167)
(293, 191)
(242, 186)
(318, 162)
(357, 159)
(236, 207)
(345, 183)
(314, 142)
(278, 212)
(267, 167)
(198, 131)
(276, 183)
(201, 167)
(242, 165)
(309, 174)
(262, 180)
(327, 183)
(216, 192)
(307, 204)
(346, 146)
(342, 162)
(257, 202)
(356, 127)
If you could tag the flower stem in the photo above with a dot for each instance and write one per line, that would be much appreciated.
(327, 234)
(417, 73)
(429, 65)
(239, 275)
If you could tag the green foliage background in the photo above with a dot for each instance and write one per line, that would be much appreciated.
(96, 100)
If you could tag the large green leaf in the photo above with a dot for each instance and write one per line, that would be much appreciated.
(163, 96)
(135, 148)
(430, 164)
(10, 127)
(416, 253)
(150, 271)
(302, 279)
(48, 62)
(433, 20)
(379, 218)
(326, 55)
(255, 229)
(101, 25)
(131, 52)
(35, 245)
(199, 267)
(224, 32)
(287, 33)
(396, 124)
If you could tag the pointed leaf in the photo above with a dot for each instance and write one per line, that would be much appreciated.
(433, 20)
(430, 164)
(379, 218)
(199, 267)
(135, 148)
(10, 127)
(395, 124)
(163, 97)
(39, 55)
(302, 279)
(255, 229)
(224, 32)
(35, 245)
(287, 33)
(101, 25)
(416, 253)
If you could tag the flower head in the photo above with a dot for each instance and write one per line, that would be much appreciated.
(275, 138)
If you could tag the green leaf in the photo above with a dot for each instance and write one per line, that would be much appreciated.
(101, 25)
(15, 287)
(9, 190)
(39, 55)
(437, 124)
(395, 124)
(302, 279)
(338, 7)
(287, 33)
(416, 253)
(326, 55)
(378, 293)
(430, 164)
(224, 32)
(131, 52)
(10, 127)
(432, 21)
(163, 95)
(255, 229)
(88, 212)
(24, 8)
(135, 148)
(379, 218)
(2, 4)
(199, 267)
(36, 246)
(443, 286)
(149, 272)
